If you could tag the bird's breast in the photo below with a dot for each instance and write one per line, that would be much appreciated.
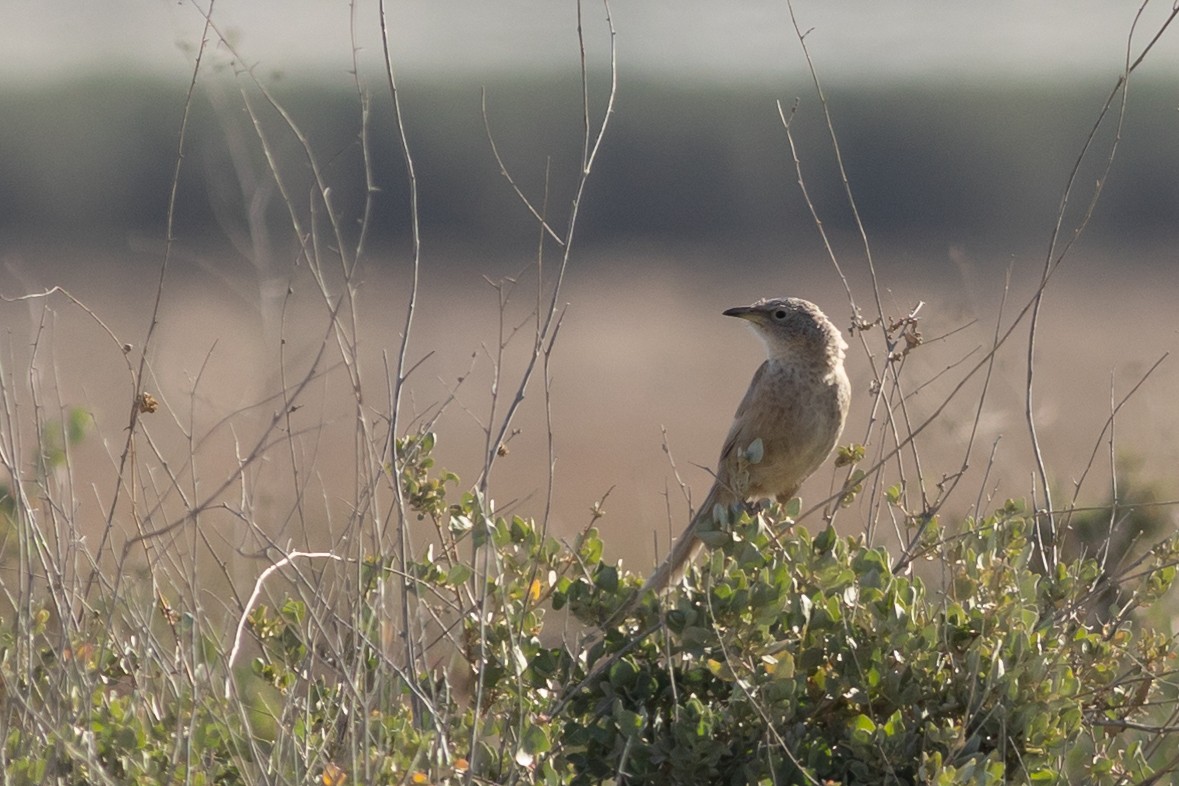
(801, 413)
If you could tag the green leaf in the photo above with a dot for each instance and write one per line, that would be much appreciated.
(825, 540)
(1044, 775)
(606, 579)
(294, 610)
(862, 728)
(458, 574)
(785, 668)
(714, 539)
(628, 722)
(77, 424)
(535, 740)
(895, 725)
(590, 547)
(622, 673)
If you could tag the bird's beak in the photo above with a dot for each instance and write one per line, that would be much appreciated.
(744, 312)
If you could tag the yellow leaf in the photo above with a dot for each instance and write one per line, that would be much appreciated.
(333, 776)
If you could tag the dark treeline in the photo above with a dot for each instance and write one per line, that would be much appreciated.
(94, 158)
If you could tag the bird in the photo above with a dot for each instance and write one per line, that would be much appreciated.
(784, 429)
(786, 425)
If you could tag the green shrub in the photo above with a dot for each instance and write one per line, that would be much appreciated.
(799, 658)
(789, 658)
(786, 658)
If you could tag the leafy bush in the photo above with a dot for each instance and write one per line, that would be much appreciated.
(790, 657)
(797, 658)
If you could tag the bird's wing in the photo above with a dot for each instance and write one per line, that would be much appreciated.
(721, 494)
(739, 436)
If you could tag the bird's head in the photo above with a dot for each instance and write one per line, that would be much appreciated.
(793, 328)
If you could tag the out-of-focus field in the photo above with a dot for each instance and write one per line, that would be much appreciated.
(642, 347)
(692, 207)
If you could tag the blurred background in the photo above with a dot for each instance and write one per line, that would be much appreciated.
(959, 126)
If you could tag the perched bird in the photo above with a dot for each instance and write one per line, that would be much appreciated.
(787, 424)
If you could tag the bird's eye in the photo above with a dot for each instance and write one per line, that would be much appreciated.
(780, 314)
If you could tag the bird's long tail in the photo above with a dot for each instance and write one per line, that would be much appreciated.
(688, 545)
(682, 553)
(669, 570)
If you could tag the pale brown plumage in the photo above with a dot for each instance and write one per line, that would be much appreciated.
(796, 406)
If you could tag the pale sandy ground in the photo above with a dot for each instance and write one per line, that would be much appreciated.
(643, 347)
